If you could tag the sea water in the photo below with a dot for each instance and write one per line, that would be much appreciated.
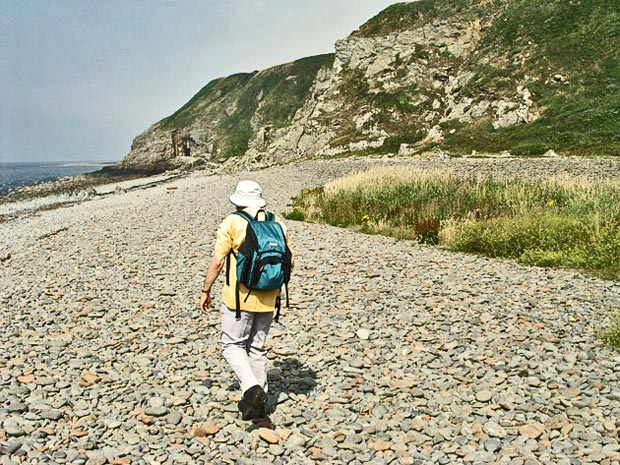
(14, 175)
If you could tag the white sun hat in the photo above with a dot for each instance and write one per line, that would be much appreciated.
(248, 194)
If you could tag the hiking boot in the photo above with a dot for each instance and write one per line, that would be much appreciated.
(252, 406)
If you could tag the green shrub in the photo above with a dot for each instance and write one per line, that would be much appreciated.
(513, 237)
(537, 257)
(297, 214)
(545, 240)
(611, 334)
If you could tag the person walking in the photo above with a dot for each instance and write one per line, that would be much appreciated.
(245, 321)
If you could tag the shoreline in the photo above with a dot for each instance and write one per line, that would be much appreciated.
(85, 168)
(69, 190)
(108, 180)
(87, 164)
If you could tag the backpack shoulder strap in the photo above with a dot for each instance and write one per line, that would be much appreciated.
(244, 215)
(249, 219)
(268, 215)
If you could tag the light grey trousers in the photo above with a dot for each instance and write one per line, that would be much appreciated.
(242, 345)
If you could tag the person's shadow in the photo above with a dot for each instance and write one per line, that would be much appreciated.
(287, 377)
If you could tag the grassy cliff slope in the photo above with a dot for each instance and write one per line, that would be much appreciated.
(567, 53)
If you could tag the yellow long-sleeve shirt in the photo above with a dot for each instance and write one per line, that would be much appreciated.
(230, 236)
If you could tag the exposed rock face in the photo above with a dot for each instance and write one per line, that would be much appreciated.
(386, 65)
(405, 66)
(306, 134)
(409, 80)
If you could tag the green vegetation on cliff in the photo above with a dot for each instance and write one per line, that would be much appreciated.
(566, 53)
(215, 91)
(570, 54)
(410, 15)
(274, 96)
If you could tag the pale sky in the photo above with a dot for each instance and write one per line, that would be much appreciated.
(81, 78)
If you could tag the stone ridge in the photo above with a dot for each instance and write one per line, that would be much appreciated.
(391, 353)
(415, 14)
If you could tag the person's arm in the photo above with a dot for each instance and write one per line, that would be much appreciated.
(223, 245)
(215, 267)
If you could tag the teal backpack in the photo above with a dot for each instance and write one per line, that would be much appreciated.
(263, 260)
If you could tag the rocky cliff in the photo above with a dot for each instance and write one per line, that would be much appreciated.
(524, 76)
(228, 116)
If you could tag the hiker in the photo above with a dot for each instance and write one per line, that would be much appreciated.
(246, 313)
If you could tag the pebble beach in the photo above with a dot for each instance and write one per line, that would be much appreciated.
(391, 352)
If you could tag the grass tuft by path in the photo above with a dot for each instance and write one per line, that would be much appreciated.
(611, 333)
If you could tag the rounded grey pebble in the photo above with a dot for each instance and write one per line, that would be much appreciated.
(14, 431)
(156, 411)
(174, 418)
(492, 445)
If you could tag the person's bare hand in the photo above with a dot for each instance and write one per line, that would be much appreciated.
(205, 302)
